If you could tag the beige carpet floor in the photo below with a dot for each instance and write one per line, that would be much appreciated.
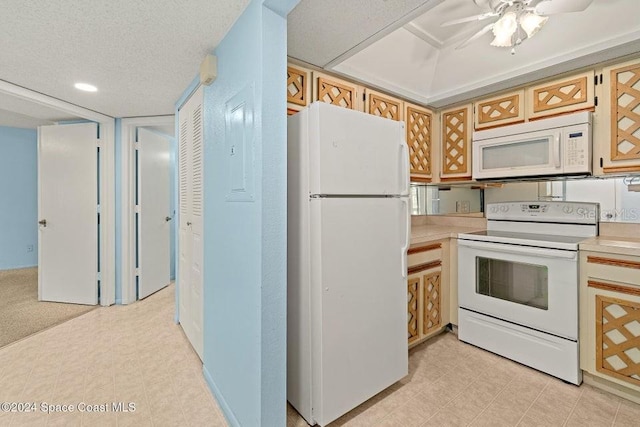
(21, 314)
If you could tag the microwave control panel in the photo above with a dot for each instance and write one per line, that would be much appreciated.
(577, 148)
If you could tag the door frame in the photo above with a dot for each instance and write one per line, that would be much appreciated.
(128, 175)
(107, 179)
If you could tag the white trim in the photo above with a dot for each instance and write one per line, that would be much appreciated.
(419, 11)
(127, 229)
(107, 178)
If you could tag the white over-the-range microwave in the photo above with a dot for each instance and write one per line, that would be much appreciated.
(554, 146)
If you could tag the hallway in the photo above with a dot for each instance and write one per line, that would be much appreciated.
(133, 353)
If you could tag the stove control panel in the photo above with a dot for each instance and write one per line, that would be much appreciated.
(535, 211)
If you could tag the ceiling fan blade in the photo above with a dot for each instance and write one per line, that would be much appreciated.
(476, 36)
(552, 7)
(480, 17)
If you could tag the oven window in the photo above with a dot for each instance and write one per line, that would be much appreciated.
(526, 284)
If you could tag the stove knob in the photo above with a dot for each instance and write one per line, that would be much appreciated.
(504, 208)
(567, 209)
(493, 209)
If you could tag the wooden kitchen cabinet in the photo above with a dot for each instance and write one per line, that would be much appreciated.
(610, 318)
(298, 88)
(382, 105)
(336, 91)
(456, 126)
(563, 95)
(504, 109)
(419, 128)
(427, 291)
(617, 121)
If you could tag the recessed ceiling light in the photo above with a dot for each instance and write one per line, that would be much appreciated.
(86, 87)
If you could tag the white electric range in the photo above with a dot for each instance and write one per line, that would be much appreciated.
(518, 283)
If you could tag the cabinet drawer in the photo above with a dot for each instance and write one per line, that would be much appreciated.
(616, 269)
(424, 255)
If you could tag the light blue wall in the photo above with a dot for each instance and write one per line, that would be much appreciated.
(245, 237)
(18, 197)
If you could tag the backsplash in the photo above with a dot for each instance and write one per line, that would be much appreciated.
(617, 229)
(467, 220)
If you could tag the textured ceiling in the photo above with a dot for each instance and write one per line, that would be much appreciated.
(319, 32)
(140, 54)
(419, 60)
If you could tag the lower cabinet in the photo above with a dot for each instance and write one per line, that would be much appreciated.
(610, 318)
(427, 291)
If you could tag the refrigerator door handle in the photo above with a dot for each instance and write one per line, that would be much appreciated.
(404, 168)
(405, 246)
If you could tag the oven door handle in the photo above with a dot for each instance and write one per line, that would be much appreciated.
(519, 250)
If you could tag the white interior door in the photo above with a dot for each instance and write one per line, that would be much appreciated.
(68, 213)
(190, 244)
(154, 238)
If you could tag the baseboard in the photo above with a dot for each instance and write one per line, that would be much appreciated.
(18, 267)
(611, 387)
(226, 410)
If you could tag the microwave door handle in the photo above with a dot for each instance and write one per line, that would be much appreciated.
(556, 153)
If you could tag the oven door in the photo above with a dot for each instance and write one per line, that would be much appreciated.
(532, 287)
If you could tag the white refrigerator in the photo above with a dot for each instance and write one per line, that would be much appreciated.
(348, 233)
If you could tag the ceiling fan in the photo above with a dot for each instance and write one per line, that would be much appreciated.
(517, 20)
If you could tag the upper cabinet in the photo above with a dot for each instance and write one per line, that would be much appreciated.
(336, 91)
(419, 126)
(457, 126)
(298, 88)
(563, 95)
(618, 119)
(382, 105)
(499, 110)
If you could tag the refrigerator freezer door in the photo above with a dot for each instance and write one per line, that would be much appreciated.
(351, 153)
(358, 301)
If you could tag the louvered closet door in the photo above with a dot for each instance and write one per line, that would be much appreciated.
(191, 211)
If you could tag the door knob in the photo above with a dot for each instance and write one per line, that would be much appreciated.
(167, 218)
(43, 222)
(189, 223)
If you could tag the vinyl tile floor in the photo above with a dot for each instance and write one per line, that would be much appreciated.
(137, 354)
(132, 354)
(451, 383)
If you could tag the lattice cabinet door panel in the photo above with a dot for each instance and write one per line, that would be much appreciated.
(499, 110)
(618, 338)
(335, 91)
(431, 302)
(456, 125)
(621, 118)
(413, 308)
(298, 88)
(563, 95)
(382, 105)
(419, 126)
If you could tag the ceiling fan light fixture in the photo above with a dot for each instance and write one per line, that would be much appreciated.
(532, 23)
(502, 41)
(506, 26)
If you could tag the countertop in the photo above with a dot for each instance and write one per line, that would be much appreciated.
(612, 245)
(421, 234)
